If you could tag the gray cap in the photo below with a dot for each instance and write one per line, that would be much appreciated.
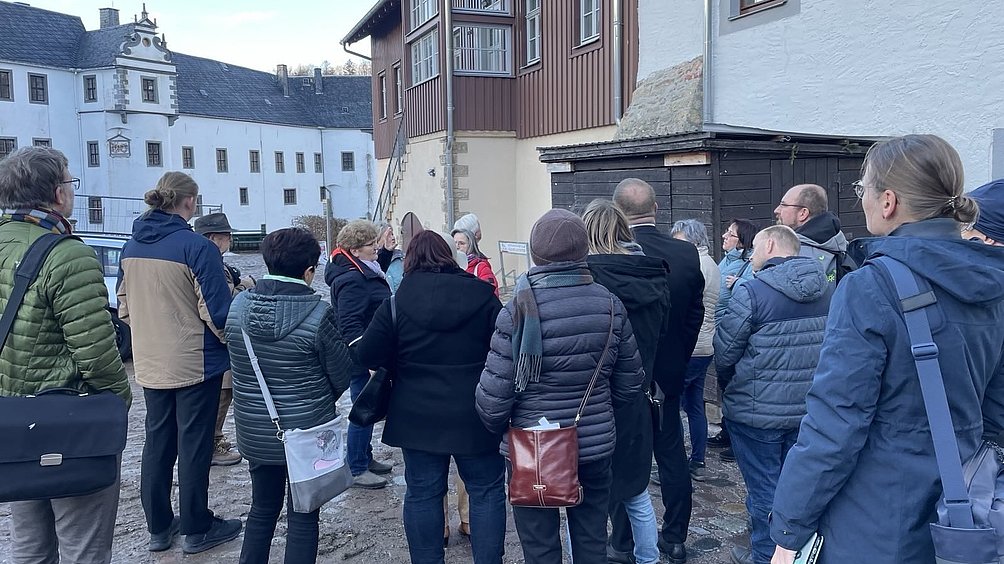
(213, 223)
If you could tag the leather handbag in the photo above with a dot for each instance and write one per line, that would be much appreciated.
(545, 462)
(59, 442)
(373, 402)
(315, 457)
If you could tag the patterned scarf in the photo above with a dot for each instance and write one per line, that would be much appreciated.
(43, 218)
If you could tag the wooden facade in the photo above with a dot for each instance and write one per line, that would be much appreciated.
(570, 88)
(714, 177)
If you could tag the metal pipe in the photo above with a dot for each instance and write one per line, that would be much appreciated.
(708, 93)
(448, 38)
(345, 46)
(618, 79)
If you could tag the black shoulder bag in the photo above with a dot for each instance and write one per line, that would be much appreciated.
(60, 442)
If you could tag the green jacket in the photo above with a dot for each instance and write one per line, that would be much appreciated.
(63, 334)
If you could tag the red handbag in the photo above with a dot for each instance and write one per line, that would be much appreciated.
(545, 462)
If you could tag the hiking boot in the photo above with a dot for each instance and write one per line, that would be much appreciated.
(369, 481)
(380, 467)
(615, 556)
(721, 440)
(740, 556)
(698, 472)
(727, 455)
(160, 542)
(221, 531)
(223, 455)
(675, 552)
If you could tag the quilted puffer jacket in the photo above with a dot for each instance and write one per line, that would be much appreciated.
(63, 334)
(302, 357)
(575, 322)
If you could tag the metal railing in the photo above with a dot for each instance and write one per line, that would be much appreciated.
(113, 214)
(392, 176)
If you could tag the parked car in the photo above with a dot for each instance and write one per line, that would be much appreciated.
(109, 251)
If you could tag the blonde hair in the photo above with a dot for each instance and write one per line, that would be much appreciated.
(606, 228)
(357, 234)
(171, 189)
(925, 173)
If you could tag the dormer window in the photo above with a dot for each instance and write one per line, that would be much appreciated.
(149, 90)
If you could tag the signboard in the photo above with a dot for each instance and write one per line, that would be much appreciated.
(514, 248)
(522, 248)
(118, 146)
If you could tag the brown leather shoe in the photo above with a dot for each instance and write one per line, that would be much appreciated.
(223, 455)
(465, 529)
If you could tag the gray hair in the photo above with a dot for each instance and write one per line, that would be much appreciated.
(693, 231)
(472, 242)
(29, 177)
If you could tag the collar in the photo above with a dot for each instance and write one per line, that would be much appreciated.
(284, 279)
(47, 219)
(936, 228)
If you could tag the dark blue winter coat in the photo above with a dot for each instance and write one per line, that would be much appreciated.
(863, 471)
(771, 332)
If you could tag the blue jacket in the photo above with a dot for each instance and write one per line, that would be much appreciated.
(731, 265)
(771, 333)
(863, 471)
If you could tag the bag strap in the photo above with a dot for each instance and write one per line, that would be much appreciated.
(265, 394)
(599, 365)
(393, 312)
(27, 271)
(914, 304)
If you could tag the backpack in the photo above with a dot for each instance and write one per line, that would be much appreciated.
(970, 527)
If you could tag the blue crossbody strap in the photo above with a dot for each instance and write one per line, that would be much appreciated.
(915, 297)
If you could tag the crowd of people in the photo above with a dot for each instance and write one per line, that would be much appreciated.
(613, 331)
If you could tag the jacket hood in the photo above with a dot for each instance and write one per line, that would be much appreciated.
(639, 280)
(799, 278)
(423, 295)
(154, 225)
(969, 271)
(823, 231)
(275, 308)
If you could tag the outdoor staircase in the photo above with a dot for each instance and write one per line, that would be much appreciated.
(391, 186)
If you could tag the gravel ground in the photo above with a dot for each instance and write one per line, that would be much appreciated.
(365, 526)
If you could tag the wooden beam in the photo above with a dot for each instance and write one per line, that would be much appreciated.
(687, 159)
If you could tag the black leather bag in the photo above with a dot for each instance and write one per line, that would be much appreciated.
(373, 402)
(59, 442)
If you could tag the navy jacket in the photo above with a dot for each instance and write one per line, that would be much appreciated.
(356, 293)
(863, 471)
(771, 332)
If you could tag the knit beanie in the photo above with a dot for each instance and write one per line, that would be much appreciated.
(990, 198)
(468, 222)
(558, 236)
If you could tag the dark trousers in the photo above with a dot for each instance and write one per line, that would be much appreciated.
(674, 475)
(268, 490)
(180, 425)
(760, 453)
(358, 440)
(538, 529)
(426, 474)
(693, 405)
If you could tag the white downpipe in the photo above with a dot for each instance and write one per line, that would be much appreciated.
(618, 79)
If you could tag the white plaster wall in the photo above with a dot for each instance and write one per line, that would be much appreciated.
(56, 120)
(866, 67)
(490, 185)
(420, 193)
(669, 33)
(351, 190)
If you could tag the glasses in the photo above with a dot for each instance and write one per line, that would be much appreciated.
(859, 189)
(74, 181)
(730, 235)
(784, 205)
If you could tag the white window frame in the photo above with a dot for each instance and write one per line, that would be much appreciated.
(533, 33)
(589, 10)
(383, 95)
(425, 58)
(472, 56)
(421, 12)
(398, 89)
(482, 6)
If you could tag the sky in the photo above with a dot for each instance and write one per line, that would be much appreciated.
(258, 34)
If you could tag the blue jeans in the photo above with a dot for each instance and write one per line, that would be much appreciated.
(643, 528)
(358, 441)
(760, 454)
(426, 474)
(693, 405)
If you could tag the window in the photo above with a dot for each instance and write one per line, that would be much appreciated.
(150, 90)
(7, 146)
(38, 89)
(481, 49)
(743, 7)
(90, 88)
(289, 196)
(301, 165)
(425, 58)
(422, 11)
(198, 206)
(187, 157)
(398, 90)
(95, 211)
(93, 154)
(280, 163)
(41, 142)
(153, 153)
(589, 20)
(322, 191)
(318, 163)
(383, 96)
(494, 6)
(221, 160)
(254, 157)
(6, 90)
(243, 191)
(348, 161)
(532, 31)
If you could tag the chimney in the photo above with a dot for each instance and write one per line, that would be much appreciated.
(282, 74)
(109, 17)
(318, 87)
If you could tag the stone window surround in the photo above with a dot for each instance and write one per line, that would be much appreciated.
(93, 154)
(34, 89)
(770, 11)
(90, 88)
(221, 160)
(144, 82)
(8, 94)
(254, 160)
(242, 193)
(289, 196)
(348, 161)
(187, 157)
(154, 155)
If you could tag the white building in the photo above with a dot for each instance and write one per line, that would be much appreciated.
(847, 67)
(125, 109)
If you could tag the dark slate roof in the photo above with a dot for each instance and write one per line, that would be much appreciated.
(99, 48)
(345, 101)
(39, 37)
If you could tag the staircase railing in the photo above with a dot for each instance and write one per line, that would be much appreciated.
(392, 175)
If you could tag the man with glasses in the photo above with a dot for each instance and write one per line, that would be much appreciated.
(804, 209)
